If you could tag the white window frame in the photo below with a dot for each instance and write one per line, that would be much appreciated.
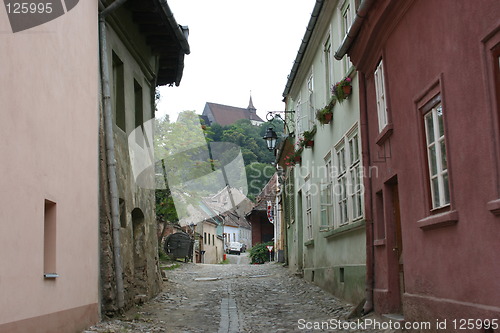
(348, 10)
(327, 51)
(349, 188)
(309, 225)
(326, 209)
(341, 192)
(355, 176)
(436, 157)
(300, 118)
(380, 92)
(310, 100)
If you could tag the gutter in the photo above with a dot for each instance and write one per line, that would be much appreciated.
(110, 149)
(354, 29)
(181, 32)
(303, 46)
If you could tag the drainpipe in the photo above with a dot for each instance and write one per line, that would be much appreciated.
(110, 149)
(354, 29)
(365, 148)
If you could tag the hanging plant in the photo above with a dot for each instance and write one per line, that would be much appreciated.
(293, 158)
(324, 115)
(342, 89)
(307, 139)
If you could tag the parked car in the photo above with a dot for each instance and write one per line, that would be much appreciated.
(234, 247)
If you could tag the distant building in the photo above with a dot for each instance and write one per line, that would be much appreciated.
(227, 115)
(262, 228)
(232, 205)
(211, 244)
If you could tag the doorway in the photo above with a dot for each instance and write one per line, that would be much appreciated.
(139, 242)
(397, 249)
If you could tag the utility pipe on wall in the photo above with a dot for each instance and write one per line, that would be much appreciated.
(354, 29)
(110, 150)
(365, 148)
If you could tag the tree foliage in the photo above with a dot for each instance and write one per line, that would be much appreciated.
(256, 156)
(177, 144)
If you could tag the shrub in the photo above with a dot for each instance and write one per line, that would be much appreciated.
(259, 253)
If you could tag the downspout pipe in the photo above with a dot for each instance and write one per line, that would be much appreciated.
(110, 151)
(365, 148)
(354, 29)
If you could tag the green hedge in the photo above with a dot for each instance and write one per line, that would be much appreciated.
(259, 253)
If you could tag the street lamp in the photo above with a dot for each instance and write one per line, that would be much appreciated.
(271, 137)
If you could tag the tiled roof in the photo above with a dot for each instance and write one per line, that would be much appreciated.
(267, 193)
(227, 115)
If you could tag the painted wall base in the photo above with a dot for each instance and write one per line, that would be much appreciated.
(72, 320)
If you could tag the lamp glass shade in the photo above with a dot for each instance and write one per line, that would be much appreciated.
(271, 137)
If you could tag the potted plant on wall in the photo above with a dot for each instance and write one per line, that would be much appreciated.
(307, 139)
(325, 115)
(293, 158)
(342, 89)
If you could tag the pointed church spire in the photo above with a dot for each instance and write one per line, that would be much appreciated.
(250, 104)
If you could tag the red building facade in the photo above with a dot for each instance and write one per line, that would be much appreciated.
(430, 122)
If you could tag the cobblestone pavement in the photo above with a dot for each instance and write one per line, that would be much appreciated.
(236, 298)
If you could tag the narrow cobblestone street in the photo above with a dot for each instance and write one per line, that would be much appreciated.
(235, 298)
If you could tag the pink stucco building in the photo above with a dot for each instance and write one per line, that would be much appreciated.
(430, 96)
(49, 173)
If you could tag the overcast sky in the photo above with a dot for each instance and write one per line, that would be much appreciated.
(237, 46)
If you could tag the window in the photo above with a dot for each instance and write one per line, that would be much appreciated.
(310, 92)
(436, 156)
(119, 92)
(49, 240)
(300, 216)
(328, 67)
(355, 170)
(300, 118)
(326, 194)
(347, 17)
(348, 12)
(349, 188)
(123, 213)
(213, 239)
(341, 185)
(205, 238)
(290, 199)
(139, 114)
(309, 227)
(380, 95)
(380, 219)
